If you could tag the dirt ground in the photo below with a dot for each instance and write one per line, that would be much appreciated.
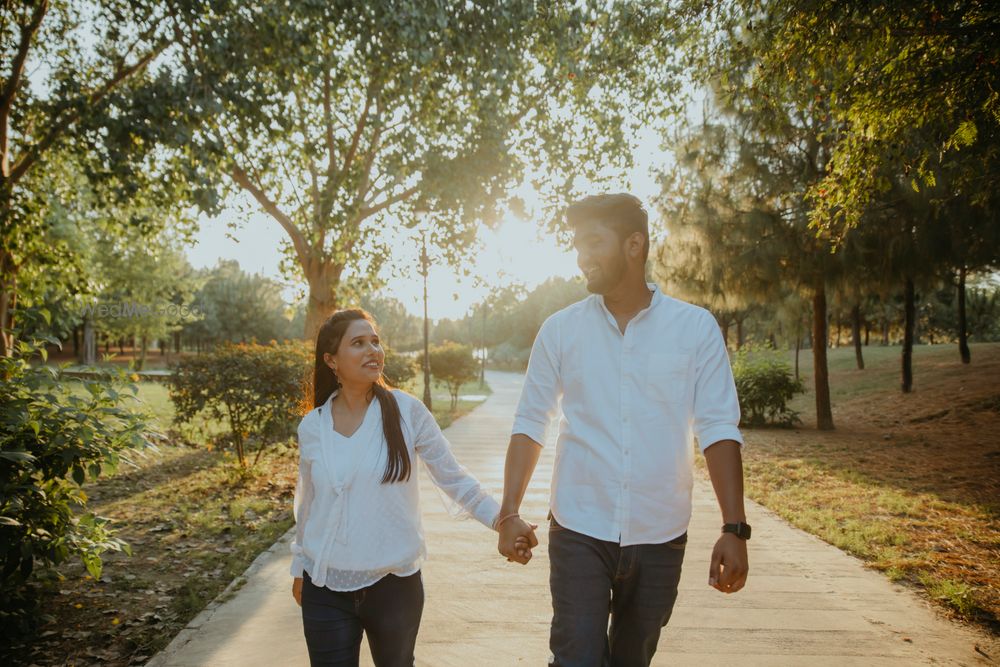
(909, 482)
(193, 528)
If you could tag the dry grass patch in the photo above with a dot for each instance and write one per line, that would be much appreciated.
(194, 525)
(908, 483)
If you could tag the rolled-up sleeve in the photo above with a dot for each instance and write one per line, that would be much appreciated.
(542, 385)
(716, 405)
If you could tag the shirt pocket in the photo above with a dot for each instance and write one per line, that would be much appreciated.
(668, 377)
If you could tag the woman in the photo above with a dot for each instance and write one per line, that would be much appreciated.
(359, 542)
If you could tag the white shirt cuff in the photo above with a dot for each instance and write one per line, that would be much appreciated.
(297, 567)
(531, 428)
(710, 435)
(487, 511)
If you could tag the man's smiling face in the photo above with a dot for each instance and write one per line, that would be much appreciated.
(600, 254)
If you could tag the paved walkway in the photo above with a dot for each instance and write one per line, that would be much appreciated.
(806, 602)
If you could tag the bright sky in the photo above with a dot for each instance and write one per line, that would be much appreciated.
(517, 252)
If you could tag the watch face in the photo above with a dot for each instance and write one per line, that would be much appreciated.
(741, 530)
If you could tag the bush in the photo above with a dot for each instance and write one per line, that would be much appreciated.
(260, 391)
(508, 357)
(453, 364)
(51, 440)
(399, 369)
(765, 385)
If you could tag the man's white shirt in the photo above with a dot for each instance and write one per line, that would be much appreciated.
(632, 405)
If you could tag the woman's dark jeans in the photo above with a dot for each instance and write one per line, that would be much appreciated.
(591, 578)
(389, 611)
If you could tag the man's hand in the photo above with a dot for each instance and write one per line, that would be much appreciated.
(517, 538)
(297, 590)
(729, 568)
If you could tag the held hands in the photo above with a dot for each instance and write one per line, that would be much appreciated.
(297, 590)
(517, 538)
(729, 568)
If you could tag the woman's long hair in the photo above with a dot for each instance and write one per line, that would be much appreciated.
(325, 382)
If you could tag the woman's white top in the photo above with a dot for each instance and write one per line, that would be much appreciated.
(350, 528)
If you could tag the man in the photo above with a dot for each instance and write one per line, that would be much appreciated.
(640, 375)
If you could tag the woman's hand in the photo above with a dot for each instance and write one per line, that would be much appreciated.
(297, 590)
(517, 538)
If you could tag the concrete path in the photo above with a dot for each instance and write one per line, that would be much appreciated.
(806, 602)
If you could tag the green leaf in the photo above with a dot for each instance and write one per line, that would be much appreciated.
(17, 456)
(93, 564)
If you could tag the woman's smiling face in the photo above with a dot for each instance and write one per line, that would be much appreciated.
(359, 358)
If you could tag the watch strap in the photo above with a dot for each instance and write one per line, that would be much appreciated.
(740, 530)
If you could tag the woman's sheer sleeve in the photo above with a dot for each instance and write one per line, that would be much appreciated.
(445, 470)
(303, 499)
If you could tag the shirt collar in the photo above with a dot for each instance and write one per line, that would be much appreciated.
(656, 300)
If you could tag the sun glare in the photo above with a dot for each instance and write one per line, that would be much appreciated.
(518, 252)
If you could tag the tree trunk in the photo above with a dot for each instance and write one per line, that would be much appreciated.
(89, 343)
(963, 325)
(885, 331)
(482, 368)
(856, 333)
(868, 331)
(77, 352)
(143, 346)
(824, 412)
(121, 345)
(725, 334)
(322, 299)
(739, 334)
(798, 346)
(908, 326)
(177, 342)
(8, 302)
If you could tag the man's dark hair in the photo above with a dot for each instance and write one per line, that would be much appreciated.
(621, 212)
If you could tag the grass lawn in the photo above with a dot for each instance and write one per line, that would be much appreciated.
(194, 525)
(910, 483)
(441, 399)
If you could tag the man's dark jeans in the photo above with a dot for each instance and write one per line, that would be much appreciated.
(591, 578)
(388, 611)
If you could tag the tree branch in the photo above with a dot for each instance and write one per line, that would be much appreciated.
(31, 156)
(331, 147)
(368, 211)
(298, 239)
(28, 33)
(356, 139)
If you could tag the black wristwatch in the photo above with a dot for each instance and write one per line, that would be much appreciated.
(740, 530)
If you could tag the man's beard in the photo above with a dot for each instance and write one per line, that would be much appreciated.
(607, 279)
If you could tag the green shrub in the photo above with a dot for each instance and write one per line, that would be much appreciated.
(51, 440)
(260, 391)
(453, 364)
(399, 369)
(765, 385)
(508, 357)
